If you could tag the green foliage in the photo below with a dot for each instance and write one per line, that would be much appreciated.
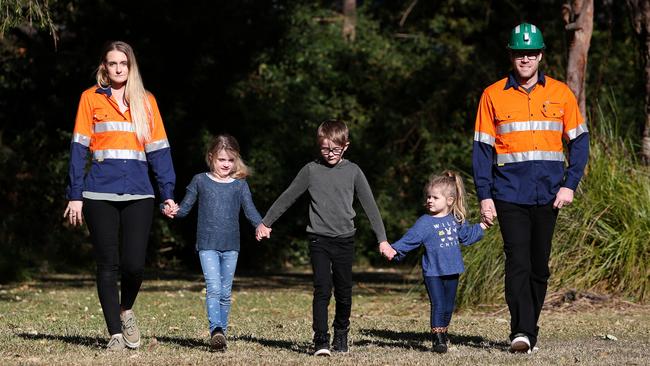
(32, 13)
(602, 240)
(30, 232)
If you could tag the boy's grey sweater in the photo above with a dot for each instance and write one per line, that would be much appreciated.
(219, 205)
(332, 190)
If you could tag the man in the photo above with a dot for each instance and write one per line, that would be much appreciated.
(521, 175)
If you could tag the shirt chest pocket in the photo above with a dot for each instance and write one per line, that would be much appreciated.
(553, 110)
(509, 115)
(100, 114)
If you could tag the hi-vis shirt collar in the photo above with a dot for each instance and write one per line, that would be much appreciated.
(106, 91)
(513, 83)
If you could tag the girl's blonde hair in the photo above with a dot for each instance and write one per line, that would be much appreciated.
(451, 185)
(135, 95)
(230, 145)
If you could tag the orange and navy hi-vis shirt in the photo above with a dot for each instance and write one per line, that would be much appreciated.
(120, 162)
(518, 154)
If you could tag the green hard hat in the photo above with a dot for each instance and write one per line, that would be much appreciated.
(526, 36)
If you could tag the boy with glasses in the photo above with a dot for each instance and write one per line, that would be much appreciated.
(332, 183)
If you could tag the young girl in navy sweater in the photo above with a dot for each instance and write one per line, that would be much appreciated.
(222, 193)
(441, 231)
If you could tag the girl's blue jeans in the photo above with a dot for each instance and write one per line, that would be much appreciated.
(442, 294)
(219, 272)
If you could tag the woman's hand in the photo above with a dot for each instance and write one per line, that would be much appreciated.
(171, 208)
(73, 213)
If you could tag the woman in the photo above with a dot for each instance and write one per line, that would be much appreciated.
(119, 123)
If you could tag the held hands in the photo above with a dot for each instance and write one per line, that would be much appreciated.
(488, 213)
(386, 250)
(170, 209)
(262, 232)
(564, 197)
(73, 212)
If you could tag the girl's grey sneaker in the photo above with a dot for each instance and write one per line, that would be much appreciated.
(116, 343)
(130, 329)
(218, 340)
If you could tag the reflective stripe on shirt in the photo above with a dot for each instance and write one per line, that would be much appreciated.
(113, 126)
(529, 156)
(484, 138)
(156, 145)
(572, 134)
(119, 154)
(81, 139)
(529, 126)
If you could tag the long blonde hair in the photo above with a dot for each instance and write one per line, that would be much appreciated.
(135, 95)
(451, 185)
(230, 145)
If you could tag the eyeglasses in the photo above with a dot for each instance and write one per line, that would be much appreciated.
(530, 56)
(334, 150)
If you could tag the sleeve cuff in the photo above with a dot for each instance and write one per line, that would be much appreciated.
(483, 193)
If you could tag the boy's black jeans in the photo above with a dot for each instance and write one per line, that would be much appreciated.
(527, 232)
(331, 261)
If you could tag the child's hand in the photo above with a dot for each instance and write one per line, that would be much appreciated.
(262, 232)
(170, 209)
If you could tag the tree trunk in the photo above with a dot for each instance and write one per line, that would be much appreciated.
(579, 16)
(349, 19)
(640, 14)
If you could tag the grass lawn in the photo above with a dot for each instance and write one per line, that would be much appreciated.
(57, 320)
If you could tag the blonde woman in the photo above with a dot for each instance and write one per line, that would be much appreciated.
(119, 124)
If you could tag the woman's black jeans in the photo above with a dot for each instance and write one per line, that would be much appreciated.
(107, 221)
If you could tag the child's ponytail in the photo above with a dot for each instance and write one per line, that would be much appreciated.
(458, 208)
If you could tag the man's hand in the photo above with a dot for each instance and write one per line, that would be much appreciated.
(564, 197)
(488, 212)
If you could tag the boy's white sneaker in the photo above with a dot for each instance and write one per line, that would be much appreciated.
(520, 344)
(322, 352)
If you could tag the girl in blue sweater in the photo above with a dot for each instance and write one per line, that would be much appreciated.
(442, 230)
(222, 193)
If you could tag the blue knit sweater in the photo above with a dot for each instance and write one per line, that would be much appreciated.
(441, 237)
(219, 205)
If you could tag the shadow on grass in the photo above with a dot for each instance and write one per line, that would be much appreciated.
(184, 342)
(90, 342)
(275, 343)
(420, 340)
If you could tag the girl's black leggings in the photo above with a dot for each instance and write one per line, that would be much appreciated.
(124, 259)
